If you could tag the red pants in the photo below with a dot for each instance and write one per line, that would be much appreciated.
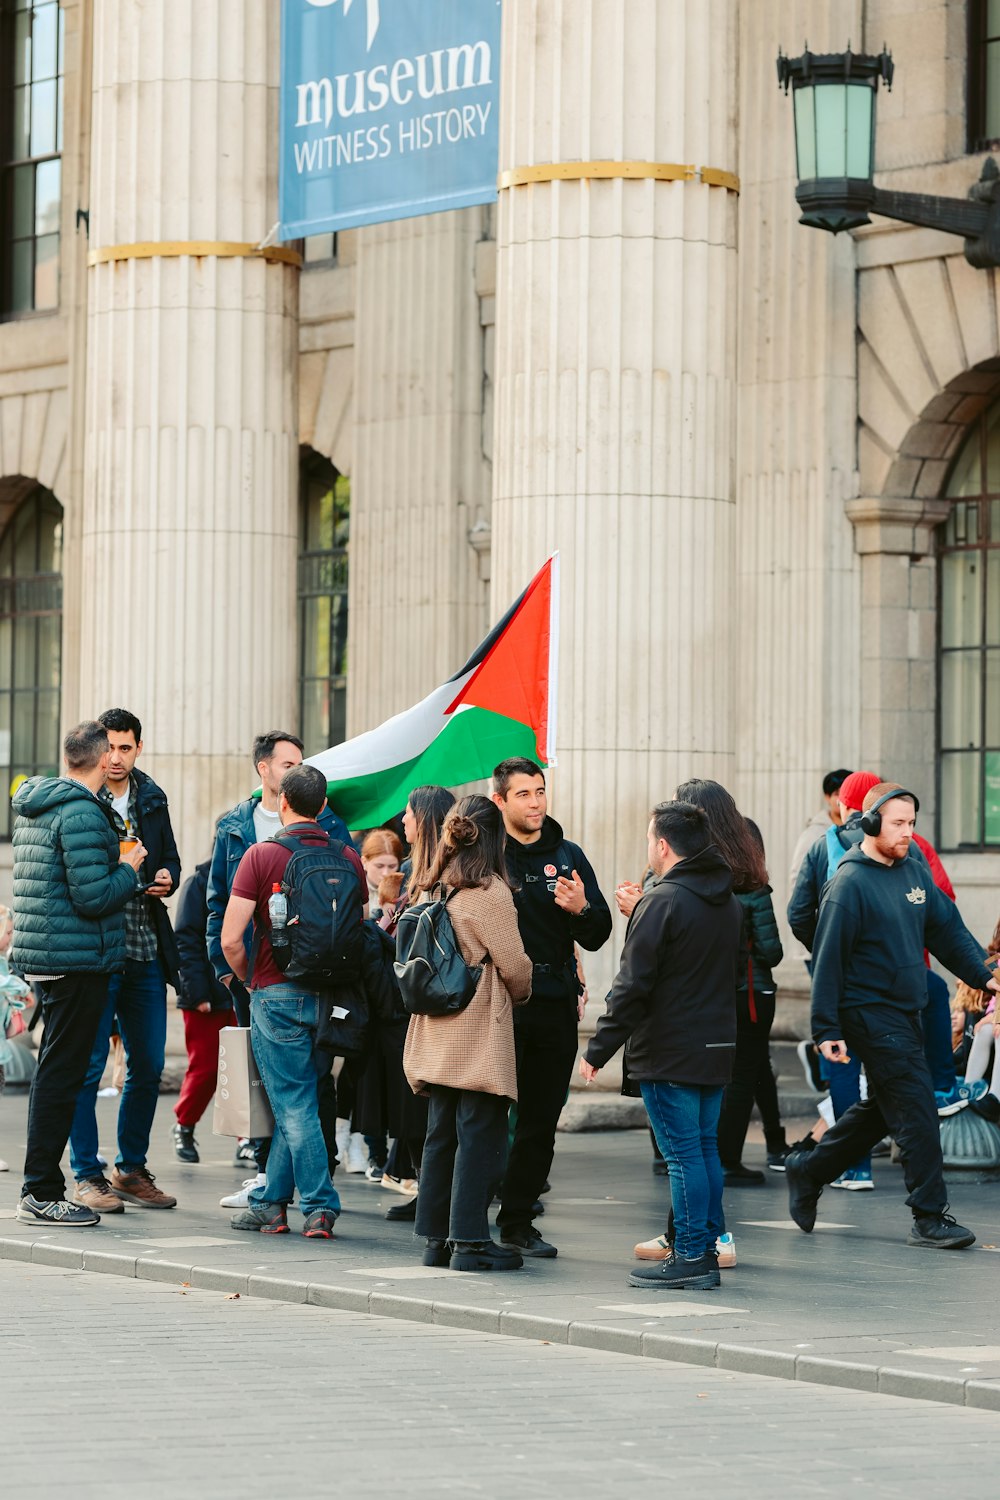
(201, 1035)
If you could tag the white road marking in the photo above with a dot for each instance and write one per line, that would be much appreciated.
(671, 1309)
(176, 1242)
(403, 1273)
(981, 1353)
(787, 1224)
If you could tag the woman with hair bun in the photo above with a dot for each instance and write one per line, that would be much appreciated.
(464, 1062)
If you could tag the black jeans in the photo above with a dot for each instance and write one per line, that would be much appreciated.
(900, 1101)
(71, 1013)
(545, 1041)
(462, 1162)
(752, 1081)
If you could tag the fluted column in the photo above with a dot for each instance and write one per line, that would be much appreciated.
(190, 522)
(420, 480)
(616, 351)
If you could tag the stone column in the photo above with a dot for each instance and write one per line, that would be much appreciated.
(615, 354)
(420, 481)
(189, 532)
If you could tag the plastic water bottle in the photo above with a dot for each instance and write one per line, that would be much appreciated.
(277, 910)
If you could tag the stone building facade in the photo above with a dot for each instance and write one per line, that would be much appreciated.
(766, 455)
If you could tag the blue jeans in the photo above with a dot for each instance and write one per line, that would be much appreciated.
(685, 1121)
(936, 1020)
(845, 1090)
(139, 999)
(283, 1022)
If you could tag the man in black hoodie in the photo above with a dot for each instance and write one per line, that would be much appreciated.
(879, 913)
(674, 1000)
(559, 904)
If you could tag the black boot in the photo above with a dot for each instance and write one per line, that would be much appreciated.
(184, 1145)
(483, 1255)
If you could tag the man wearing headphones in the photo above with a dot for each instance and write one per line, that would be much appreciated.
(879, 913)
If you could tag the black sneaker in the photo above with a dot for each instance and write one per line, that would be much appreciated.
(56, 1211)
(803, 1194)
(676, 1273)
(741, 1176)
(245, 1155)
(939, 1232)
(265, 1218)
(988, 1107)
(808, 1056)
(658, 1167)
(405, 1211)
(776, 1160)
(183, 1137)
(436, 1253)
(528, 1242)
(483, 1255)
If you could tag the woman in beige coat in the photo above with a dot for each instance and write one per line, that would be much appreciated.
(464, 1063)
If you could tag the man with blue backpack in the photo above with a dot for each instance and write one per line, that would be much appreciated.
(303, 891)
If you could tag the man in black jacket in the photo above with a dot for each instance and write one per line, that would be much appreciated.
(869, 987)
(559, 904)
(674, 1001)
(138, 998)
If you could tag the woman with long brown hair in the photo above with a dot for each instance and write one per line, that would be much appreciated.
(464, 1062)
(741, 846)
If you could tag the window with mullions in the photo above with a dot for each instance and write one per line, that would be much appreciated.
(969, 644)
(30, 645)
(31, 127)
(983, 92)
(325, 501)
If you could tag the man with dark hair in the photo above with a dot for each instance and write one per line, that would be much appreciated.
(674, 1001)
(71, 882)
(869, 987)
(820, 823)
(286, 1015)
(251, 822)
(559, 904)
(138, 996)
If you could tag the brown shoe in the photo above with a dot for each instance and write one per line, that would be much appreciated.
(139, 1187)
(95, 1192)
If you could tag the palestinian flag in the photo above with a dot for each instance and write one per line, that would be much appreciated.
(502, 703)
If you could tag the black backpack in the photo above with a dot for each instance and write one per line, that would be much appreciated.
(433, 977)
(322, 938)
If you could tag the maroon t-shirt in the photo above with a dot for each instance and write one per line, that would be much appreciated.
(260, 870)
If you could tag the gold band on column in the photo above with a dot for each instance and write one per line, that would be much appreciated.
(170, 249)
(657, 171)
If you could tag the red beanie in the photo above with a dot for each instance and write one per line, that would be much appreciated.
(855, 788)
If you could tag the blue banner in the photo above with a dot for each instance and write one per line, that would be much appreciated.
(389, 108)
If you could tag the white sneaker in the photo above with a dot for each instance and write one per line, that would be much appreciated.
(4, 1167)
(241, 1199)
(343, 1139)
(357, 1155)
(405, 1185)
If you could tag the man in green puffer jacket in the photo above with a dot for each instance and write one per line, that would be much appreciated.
(71, 884)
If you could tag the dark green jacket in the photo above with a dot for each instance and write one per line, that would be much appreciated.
(69, 888)
(760, 932)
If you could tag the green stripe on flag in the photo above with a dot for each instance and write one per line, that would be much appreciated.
(471, 744)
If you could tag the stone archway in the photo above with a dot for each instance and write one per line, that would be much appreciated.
(33, 438)
(326, 404)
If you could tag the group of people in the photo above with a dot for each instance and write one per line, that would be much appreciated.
(287, 924)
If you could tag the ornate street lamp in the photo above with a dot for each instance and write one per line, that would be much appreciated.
(833, 95)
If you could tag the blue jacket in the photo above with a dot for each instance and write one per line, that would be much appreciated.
(235, 836)
(69, 888)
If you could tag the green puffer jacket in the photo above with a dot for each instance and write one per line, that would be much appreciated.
(760, 934)
(69, 888)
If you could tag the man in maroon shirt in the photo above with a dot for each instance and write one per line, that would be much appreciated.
(284, 1019)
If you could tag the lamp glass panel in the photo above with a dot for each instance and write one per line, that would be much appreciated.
(831, 130)
(805, 132)
(860, 129)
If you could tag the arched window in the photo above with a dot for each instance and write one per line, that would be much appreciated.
(30, 644)
(325, 508)
(969, 644)
(31, 128)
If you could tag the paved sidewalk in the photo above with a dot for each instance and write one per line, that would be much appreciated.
(850, 1305)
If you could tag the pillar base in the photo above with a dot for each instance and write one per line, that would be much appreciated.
(970, 1145)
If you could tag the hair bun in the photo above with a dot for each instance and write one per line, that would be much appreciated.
(464, 832)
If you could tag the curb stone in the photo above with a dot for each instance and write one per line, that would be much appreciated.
(982, 1394)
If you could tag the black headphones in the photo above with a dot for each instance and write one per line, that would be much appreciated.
(871, 821)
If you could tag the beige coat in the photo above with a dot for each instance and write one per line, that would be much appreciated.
(475, 1048)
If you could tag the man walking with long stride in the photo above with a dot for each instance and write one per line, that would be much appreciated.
(879, 913)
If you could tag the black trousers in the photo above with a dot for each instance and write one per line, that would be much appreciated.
(462, 1162)
(545, 1042)
(71, 1012)
(900, 1102)
(752, 1082)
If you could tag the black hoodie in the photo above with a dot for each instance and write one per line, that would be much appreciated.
(874, 924)
(547, 932)
(674, 997)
